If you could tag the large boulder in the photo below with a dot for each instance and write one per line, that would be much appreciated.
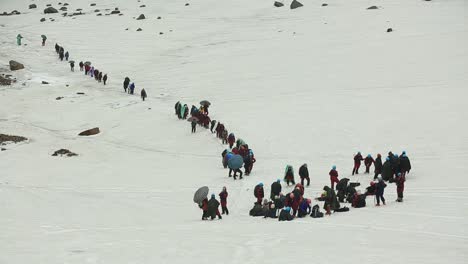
(278, 4)
(14, 65)
(142, 16)
(295, 4)
(90, 132)
(31, 6)
(50, 10)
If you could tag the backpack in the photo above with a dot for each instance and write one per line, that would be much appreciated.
(316, 212)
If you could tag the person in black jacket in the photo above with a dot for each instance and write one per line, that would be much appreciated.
(378, 166)
(143, 94)
(194, 126)
(81, 65)
(275, 189)
(126, 83)
(213, 123)
(379, 190)
(387, 170)
(104, 79)
(304, 174)
(405, 164)
(285, 215)
(213, 210)
(357, 163)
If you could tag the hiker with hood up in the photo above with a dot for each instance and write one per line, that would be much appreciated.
(185, 113)
(387, 170)
(44, 38)
(213, 210)
(87, 69)
(194, 125)
(104, 79)
(400, 183)
(67, 55)
(213, 123)
(61, 54)
(96, 74)
(378, 166)
(285, 214)
(259, 192)
(333, 176)
(18, 39)
(91, 72)
(405, 164)
(379, 190)
(275, 189)
(368, 161)
(57, 48)
(177, 108)
(143, 94)
(357, 163)
(72, 66)
(304, 208)
(126, 83)
(329, 197)
(304, 174)
(223, 198)
(224, 137)
(81, 64)
(99, 77)
(131, 88)
(289, 175)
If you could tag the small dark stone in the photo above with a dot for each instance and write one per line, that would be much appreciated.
(389, 29)
(59, 98)
(31, 6)
(48, 5)
(120, 14)
(126, 29)
(3, 149)
(159, 17)
(278, 4)
(90, 132)
(92, 4)
(142, 16)
(44, 82)
(97, 10)
(160, 33)
(50, 20)
(99, 14)
(187, 4)
(139, 29)
(63, 8)
(115, 12)
(64, 14)
(372, 7)
(295, 4)
(65, 4)
(43, 19)
(80, 93)
(143, 6)
(65, 152)
(324, 4)
(79, 9)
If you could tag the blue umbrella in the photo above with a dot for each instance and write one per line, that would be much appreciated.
(235, 162)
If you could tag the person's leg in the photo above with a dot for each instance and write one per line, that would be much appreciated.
(308, 181)
(378, 199)
(230, 172)
(302, 181)
(383, 199)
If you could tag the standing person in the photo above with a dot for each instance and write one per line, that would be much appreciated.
(131, 88)
(126, 83)
(186, 111)
(213, 123)
(405, 164)
(304, 174)
(400, 183)
(357, 163)
(275, 189)
(81, 65)
(379, 190)
(387, 170)
(67, 55)
(44, 38)
(213, 210)
(72, 66)
(57, 48)
(143, 94)
(259, 192)
(333, 177)
(204, 206)
(194, 126)
(100, 77)
(104, 79)
(61, 54)
(331, 202)
(378, 166)
(87, 68)
(18, 39)
(289, 175)
(231, 140)
(178, 108)
(96, 74)
(91, 72)
(368, 162)
(224, 136)
(223, 198)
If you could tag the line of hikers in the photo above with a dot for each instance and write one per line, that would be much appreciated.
(130, 88)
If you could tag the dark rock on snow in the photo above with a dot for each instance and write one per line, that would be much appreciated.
(90, 132)
(80, 93)
(43, 19)
(389, 29)
(31, 6)
(4, 80)
(143, 6)
(59, 98)
(278, 4)
(49, 5)
(159, 17)
(50, 10)
(99, 14)
(324, 4)
(187, 4)
(10, 138)
(142, 16)
(295, 4)
(44, 82)
(139, 29)
(63, 8)
(65, 152)
(92, 4)
(115, 12)
(372, 7)
(14, 65)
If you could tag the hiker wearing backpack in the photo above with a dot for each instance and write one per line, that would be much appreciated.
(304, 174)
(231, 139)
(333, 176)
(368, 161)
(289, 175)
(357, 163)
(259, 192)
(126, 83)
(405, 164)
(379, 190)
(81, 64)
(223, 198)
(329, 197)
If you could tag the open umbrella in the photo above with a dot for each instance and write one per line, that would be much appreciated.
(43, 36)
(192, 118)
(235, 162)
(205, 102)
(87, 63)
(201, 194)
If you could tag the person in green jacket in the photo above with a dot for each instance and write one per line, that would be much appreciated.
(18, 39)
(44, 38)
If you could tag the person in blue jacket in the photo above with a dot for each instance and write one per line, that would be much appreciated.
(304, 208)
(132, 88)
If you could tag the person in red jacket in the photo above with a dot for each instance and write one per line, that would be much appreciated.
(400, 183)
(259, 193)
(204, 206)
(368, 161)
(333, 176)
(357, 163)
(223, 197)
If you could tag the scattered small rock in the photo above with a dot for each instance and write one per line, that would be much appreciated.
(324, 4)
(49, 5)
(142, 16)
(44, 82)
(79, 9)
(64, 14)
(10, 138)
(120, 14)
(295, 4)
(59, 98)
(160, 33)
(99, 14)
(43, 19)
(143, 6)
(159, 17)
(187, 4)
(50, 10)
(63, 8)
(90, 132)
(3, 149)
(126, 29)
(93, 4)
(389, 29)
(97, 10)
(372, 7)
(65, 152)
(115, 12)
(80, 93)
(278, 4)
(65, 4)
(139, 29)
(32, 6)
(14, 65)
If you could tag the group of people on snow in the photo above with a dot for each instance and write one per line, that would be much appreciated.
(211, 207)
(129, 87)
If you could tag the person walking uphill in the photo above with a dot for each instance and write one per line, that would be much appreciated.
(378, 166)
(223, 198)
(44, 38)
(405, 164)
(304, 174)
(357, 163)
(379, 190)
(400, 183)
(213, 210)
(126, 83)
(72, 66)
(143, 94)
(333, 177)
(368, 161)
(289, 175)
(259, 193)
(204, 206)
(194, 126)
(67, 55)
(81, 65)
(104, 79)
(131, 88)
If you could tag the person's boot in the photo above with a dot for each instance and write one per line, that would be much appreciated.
(227, 211)
(219, 217)
(328, 210)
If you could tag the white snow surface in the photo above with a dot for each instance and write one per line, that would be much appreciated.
(312, 85)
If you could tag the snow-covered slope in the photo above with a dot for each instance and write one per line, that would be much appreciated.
(313, 85)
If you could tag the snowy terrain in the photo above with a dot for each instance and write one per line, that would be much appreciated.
(314, 84)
